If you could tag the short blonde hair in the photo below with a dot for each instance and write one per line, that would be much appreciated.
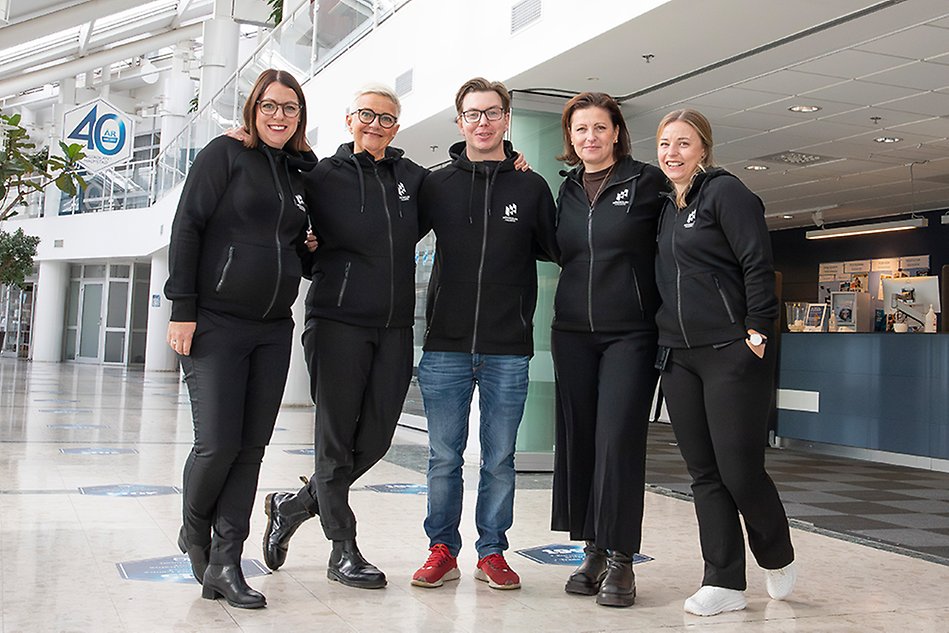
(378, 89)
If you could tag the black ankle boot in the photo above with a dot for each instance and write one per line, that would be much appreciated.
(619, 586)
(197, 554)
(585, 579)
(348, 567)
(285, 513)
(227, 581)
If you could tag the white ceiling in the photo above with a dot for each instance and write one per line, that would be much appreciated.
(874, 68)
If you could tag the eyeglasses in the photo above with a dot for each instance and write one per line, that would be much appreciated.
(367, 116)
(290, 110)
(474, 116)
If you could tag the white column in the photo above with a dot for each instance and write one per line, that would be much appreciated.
(219, 60)
(297, 392)
(158, 355)
(67, 99)
(49, 316)
(177, 92)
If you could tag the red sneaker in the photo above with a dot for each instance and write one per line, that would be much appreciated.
(493, 569)
(440, 567)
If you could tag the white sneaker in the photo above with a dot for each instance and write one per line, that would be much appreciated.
(714, 600)
(780, 582)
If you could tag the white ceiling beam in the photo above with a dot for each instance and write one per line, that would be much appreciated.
(28, 80)
(85, 31)
(29, 30)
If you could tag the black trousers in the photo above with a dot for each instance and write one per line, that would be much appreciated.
(605, 386)
(718, 400)
(235, 374)
(359, 378)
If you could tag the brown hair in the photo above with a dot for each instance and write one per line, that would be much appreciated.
(586, 100)
(702, 127)
(480, 84)
(298, 140)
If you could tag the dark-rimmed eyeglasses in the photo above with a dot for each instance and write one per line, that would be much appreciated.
(474, 116)
(290, 110)
(366, 116)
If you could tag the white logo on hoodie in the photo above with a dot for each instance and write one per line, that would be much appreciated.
(510, 212)
(403, 196)
(298, 200)
(690, 221)
(621, 198)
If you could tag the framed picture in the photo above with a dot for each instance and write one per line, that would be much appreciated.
(815, 319)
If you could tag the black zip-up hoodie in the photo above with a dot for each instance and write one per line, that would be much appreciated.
(714, 266)
(608, 252)
(365, 215)
(491, 222)
(237, 240)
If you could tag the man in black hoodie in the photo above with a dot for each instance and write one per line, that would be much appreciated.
(491, 222)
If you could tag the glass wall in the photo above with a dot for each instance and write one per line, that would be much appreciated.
(535, 131)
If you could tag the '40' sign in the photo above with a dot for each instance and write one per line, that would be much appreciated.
(104, 131)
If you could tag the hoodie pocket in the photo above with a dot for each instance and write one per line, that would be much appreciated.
(342, 287)
(721, 293)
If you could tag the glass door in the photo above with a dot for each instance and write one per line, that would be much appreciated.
(90, 322)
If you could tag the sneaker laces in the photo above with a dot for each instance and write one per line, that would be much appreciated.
(497, 562)
(438, 557)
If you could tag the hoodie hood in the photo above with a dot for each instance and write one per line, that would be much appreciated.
(459, 158)
(365, 160)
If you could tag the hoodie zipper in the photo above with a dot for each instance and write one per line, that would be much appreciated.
(276, 290)
(721, 293)
(342, 288)
(678, 280)
(639, 294)
(385, 204)
(227, 265)
(484, 246)
(590, 247)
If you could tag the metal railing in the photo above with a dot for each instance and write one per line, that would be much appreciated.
(309, 38)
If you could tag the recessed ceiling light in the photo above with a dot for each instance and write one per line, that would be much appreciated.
(887, 139)
(593, 78)
(804, 109)
(788, 217)
(756, 167)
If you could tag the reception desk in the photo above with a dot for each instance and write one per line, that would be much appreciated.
(876, 393)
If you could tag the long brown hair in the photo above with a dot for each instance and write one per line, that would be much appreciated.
(271, 75)
(586, 100)
(702, 127)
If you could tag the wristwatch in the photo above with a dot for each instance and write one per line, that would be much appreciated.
(757, 339)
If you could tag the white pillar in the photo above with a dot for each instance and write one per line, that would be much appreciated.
(177, 92)
(219, 60)
(158, 354)
(297, 392)
(49, 316)
(67, 99)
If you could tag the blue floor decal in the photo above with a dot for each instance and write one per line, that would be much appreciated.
(129, 490)
(564, 554)
(176, 569)
(98, 450)
(399, 489)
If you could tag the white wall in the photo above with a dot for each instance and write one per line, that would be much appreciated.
(447, 43)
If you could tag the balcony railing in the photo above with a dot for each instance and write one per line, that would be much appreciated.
(309, 38)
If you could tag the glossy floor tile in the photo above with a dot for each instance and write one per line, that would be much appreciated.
(61, 549)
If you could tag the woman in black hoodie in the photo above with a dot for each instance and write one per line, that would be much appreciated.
(360, 310)
(236, 255)
(604, 344)
(716, 279)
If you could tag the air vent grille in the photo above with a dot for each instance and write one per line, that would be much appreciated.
(795, 158)
(525, 13)
(403, 83)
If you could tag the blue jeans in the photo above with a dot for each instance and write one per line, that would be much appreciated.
(447, 381)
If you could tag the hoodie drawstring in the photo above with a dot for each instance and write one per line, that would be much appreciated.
(362, 184)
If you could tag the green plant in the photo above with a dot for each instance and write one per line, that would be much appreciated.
(24, 171)
(276, 11)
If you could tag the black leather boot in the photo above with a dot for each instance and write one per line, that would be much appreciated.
(348, 567)
(285, 513)
(227, 581)
(619, 587)
(585, 579)
(197, 554)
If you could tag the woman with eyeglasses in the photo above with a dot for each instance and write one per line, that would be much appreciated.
(358, 342)
(236, 255)
(603, 342)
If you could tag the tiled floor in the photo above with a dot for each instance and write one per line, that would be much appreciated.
(60, 549)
